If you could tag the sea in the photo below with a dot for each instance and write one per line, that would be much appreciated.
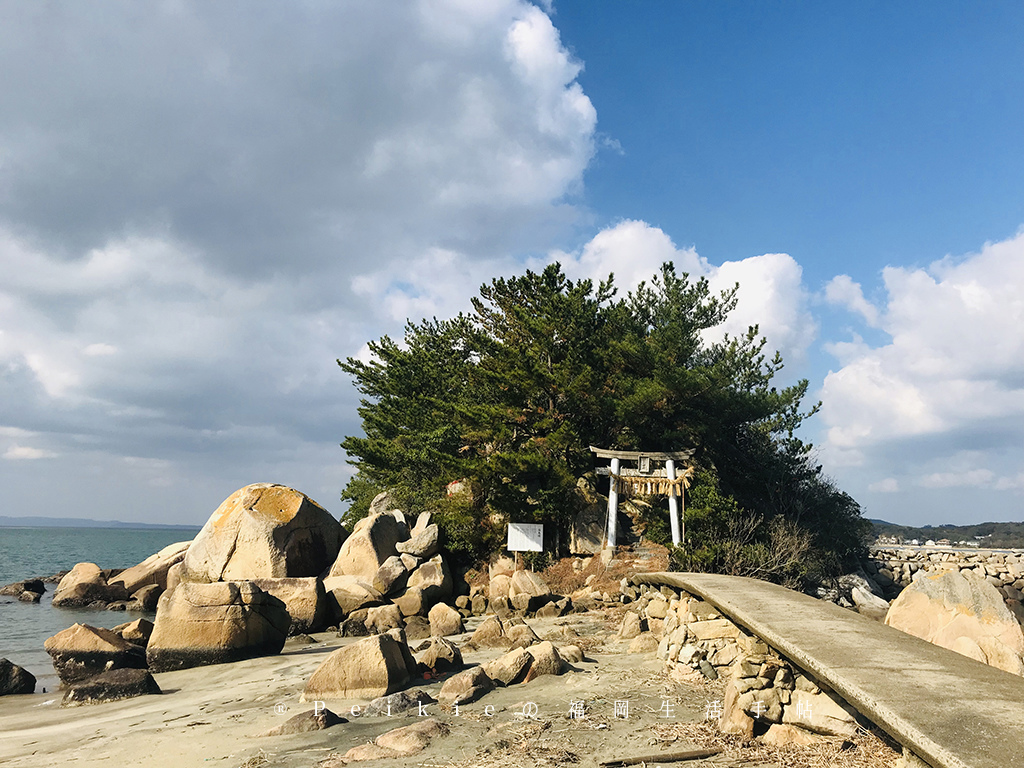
(37, 552)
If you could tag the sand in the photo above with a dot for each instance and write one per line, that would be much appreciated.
(212, 716)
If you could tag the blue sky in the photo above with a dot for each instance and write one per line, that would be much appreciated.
(203, 205)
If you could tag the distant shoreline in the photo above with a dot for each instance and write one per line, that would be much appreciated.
(72, 522)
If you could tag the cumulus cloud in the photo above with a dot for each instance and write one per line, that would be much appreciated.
(202, 206)
(771, 292)
(842, 291)
(943, 395)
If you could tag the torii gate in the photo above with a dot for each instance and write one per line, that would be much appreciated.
(645, 479)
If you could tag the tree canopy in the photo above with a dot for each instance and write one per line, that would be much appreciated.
(508, 399)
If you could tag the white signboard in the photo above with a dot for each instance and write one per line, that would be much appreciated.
(525, 537)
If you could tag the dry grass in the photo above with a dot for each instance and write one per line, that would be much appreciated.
(867, 749)
(564, 578)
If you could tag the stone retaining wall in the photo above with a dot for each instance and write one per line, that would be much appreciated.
(894, 567)
(766, 695)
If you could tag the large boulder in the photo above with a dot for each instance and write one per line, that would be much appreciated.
(347, 594)
(424, 543)
(391, 576)
(586, 536)
(510, 668)
(81, 651)
(199, 624)
(465, 687)
(546, 661)
(14, 679)
(85, 584)
(962, 612)
(433, 577)
(366, 669)
(374, 539)
(499, 585)
(304, 598)
(264, 531)
(137, 632)
(114, 685)
(528, 583)
(440, 657)
(445, 621)
(490, 634)
(152, 570)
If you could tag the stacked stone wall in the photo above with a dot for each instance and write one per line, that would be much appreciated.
(895, 567)
(765, 693)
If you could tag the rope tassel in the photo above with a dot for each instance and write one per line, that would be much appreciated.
(648, 486)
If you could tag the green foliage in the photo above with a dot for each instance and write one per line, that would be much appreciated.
(511, 396)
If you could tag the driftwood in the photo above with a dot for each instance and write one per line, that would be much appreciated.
(664, 757)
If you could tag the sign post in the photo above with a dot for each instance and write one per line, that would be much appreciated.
(525, 537)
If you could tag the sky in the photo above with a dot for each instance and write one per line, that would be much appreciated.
(204, 205)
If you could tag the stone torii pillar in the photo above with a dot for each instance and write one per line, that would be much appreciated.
(673, 503)
(613, 506)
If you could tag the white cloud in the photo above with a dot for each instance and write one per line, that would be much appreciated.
(200, 211)
(771, 293)
(972, 478)
(842, 291)
(947, 383)
(888, 485)
(24, 452)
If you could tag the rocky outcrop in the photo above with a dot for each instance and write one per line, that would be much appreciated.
(305, 600)
(374, 539)
(366, 669)
(80, 652)
(152, 570)
(199, 624)
(964, 613)
(264, 531)
(398, 742)
(84, 585)
(114, 685)
(15, 680)
(19, 588)
(546, 661)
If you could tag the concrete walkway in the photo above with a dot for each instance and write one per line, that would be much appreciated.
(949, 710)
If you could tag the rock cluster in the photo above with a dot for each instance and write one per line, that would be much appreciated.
(28, 591)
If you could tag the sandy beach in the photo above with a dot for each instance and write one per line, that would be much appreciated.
(214, 715)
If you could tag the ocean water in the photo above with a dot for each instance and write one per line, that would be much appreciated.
(30, 552)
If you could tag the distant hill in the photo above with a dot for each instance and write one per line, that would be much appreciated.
(74, 522)
(988, 535)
